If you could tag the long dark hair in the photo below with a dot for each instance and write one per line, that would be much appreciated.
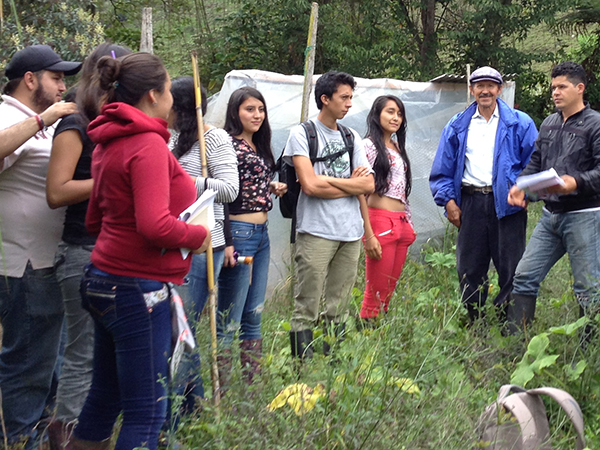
(375, 133)
(88, 97)
(184, 105)
(233, 124)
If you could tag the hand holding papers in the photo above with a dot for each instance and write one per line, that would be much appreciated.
(201, 212)
(537, 184)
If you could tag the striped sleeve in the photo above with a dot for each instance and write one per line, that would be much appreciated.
(222, 166)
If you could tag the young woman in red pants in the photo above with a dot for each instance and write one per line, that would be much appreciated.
(386, 213)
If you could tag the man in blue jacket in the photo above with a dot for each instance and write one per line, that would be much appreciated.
(481, 152)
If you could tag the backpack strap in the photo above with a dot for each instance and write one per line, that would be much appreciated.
(348, 139)
(569, 405)
(313, 143)
(311, 136)
(530, 412)
(508, 389)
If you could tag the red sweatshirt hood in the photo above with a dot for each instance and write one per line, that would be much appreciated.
(118, 120)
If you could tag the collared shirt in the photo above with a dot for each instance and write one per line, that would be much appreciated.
(479, 156)
(30, 229)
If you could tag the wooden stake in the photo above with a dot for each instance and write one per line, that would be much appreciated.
(309, 61)
(146, 40)
(210, 272)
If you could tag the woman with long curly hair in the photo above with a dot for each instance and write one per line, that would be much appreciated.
(386, 212)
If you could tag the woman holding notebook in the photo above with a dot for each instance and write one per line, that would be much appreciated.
(139, 191)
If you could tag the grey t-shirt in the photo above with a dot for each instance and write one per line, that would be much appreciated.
(336, 219)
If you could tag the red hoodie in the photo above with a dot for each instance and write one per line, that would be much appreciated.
(139, 191)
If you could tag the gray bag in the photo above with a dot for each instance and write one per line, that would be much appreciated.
(517, 420)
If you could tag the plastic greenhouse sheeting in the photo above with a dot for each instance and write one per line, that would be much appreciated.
(429, 106)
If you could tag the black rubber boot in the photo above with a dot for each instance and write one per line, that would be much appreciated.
(339, 331)
(519, 313)
(301, 342)
(589, 332)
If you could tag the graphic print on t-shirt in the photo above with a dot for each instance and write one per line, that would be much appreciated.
(338, 167)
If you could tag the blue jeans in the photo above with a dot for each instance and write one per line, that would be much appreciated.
(131, 350)
(76, 374)
(242, 288)
(194, 293)
(31, 312)
(577, 234)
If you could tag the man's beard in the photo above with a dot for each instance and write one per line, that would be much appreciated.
(42, 100)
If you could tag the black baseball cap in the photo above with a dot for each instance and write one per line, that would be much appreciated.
(38, 57)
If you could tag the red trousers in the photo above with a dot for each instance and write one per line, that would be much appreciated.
(395, 234)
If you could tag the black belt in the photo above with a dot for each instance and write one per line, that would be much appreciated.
(470, 189)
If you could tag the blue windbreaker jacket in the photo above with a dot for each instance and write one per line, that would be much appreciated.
(515, 142)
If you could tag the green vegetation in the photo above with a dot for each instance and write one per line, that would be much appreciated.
(405, 39)
(366, 396)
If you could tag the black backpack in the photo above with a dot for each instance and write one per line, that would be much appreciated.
(287, 173)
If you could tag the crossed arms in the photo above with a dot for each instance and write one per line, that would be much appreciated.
(360, 182)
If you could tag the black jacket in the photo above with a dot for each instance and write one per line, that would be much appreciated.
(571, 148)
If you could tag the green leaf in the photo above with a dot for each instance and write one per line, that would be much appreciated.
(522, 374)
(286, 326)
(573, 373)
(570, 328)
(538, 345)
(546, 361)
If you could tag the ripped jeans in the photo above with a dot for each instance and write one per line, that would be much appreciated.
(242, 288)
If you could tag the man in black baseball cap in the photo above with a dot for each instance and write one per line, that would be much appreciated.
(31, 306)
(38, 57)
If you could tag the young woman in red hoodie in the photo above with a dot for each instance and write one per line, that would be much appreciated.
(139, 191)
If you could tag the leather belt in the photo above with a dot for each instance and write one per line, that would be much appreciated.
(470, 189)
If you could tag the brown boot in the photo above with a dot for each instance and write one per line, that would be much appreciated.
(57, 435)
(250, 354)
(80, 444)
(224, 364)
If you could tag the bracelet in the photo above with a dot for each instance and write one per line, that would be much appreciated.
(372, 236)
(40, 122)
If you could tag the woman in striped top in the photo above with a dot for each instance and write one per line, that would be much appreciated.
(224, 179)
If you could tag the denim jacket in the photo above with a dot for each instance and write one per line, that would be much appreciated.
(515, 142)
(571, 148)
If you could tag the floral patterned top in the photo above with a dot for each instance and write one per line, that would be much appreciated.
(255, 176)
(397, 176)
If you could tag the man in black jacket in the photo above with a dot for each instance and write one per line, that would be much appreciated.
(569, 142)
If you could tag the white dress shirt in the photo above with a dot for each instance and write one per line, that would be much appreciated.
(479, 157)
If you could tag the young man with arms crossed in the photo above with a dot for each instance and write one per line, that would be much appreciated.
(329, 223)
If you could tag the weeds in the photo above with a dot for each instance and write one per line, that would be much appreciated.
(422, 342)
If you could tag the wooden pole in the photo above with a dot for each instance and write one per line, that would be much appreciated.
(210, 272)
(468, 84)
(146, 41)
(309, 61)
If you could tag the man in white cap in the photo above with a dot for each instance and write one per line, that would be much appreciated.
(481, 152)
(31, 310)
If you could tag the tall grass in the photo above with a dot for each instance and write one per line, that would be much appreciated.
(422, 338)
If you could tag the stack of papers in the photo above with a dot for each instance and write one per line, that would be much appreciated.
(537, 185)
(201, 212)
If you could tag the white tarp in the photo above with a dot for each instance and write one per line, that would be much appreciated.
(429, 106)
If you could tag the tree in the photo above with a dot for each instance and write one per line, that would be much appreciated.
(72, 28)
